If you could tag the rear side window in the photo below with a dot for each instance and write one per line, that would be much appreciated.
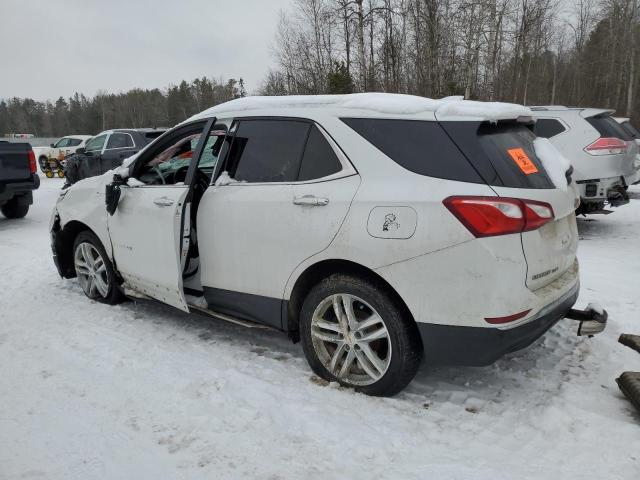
(119, 140)
(548, 127)
(267, 150)
(503, 153)
(608, 127)
(74, 142)
(319, 159)
(422, 147)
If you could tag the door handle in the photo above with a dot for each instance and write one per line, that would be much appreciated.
(163, 202)
(310, 200)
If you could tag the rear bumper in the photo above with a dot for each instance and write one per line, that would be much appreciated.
(10, 190)
(477, 346)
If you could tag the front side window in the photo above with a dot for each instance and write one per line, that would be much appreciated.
(63, 142)
(73, 142)
(170, 166)
(267, 150)
(96, 143)
(119, 140)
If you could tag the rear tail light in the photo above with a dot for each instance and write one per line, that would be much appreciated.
(607, 146)
(491, 216)
(32, 161)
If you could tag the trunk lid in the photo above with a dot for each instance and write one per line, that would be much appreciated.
(505, 156)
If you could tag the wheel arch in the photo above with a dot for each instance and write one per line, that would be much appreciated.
(63, 244)
(323, 269)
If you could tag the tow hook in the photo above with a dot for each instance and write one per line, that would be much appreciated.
(618, 196)
(592, 319)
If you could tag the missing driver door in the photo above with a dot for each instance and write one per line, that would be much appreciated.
(150, 228)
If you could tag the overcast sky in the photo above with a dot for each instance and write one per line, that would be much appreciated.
(57, 47)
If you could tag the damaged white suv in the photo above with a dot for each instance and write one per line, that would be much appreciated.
(378, 229)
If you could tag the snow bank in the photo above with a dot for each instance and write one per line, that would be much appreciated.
(134, 182)
(553, 162)
(226, 179)
(390, 103)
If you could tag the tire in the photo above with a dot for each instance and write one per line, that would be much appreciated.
(329, 343)
(99, 282)
(12, 209)
(49, 173)
(60, 173)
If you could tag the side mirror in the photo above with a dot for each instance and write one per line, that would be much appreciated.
(52, 145)
(80, 150)
(112, 193)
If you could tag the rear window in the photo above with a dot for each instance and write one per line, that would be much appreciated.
(631, 130)
(548, 127)
(149, 136)
(422, 147)
(608, 127)
(503, 153)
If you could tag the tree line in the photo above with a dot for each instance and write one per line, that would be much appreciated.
(134, 109)
(534, 52)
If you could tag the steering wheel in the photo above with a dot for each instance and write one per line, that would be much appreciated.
(180, 174)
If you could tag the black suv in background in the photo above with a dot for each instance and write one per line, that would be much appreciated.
(107, 150)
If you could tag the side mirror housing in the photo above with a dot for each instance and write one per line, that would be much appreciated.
(112, 193)
(52, 145)
(80, 150)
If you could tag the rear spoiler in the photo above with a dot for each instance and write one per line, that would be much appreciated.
(596, 112)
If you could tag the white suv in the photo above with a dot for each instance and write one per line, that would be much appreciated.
(602, 152)
(378, 229)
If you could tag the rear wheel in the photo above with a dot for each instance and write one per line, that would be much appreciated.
(13, 209)
(60, 173)
(94, 269)
(353, 332)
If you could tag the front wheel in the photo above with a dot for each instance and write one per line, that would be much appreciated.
(94, 269)
(354, 333)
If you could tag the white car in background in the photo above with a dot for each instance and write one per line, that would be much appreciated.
(60, 149)
(603, 155)
(378, 229)
(635, 133)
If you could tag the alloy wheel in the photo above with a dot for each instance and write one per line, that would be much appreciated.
(91, 270)
(351, 339)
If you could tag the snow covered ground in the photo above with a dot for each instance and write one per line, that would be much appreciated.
(142, 391)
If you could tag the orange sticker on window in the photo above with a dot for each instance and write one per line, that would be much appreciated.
(523, 161)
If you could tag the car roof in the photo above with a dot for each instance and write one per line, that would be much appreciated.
(368, 105)
(133, 130)
(77, 136)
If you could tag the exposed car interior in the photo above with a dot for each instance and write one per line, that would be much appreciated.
(168, 164)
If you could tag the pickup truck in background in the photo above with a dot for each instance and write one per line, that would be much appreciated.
(18, 178)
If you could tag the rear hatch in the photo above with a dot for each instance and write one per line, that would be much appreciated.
(505, 156)
(622, 159)
(14, 162)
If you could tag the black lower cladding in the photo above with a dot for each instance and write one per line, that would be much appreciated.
(255, 308)
(477, 346)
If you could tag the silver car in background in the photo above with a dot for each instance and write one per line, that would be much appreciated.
(603, 154)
